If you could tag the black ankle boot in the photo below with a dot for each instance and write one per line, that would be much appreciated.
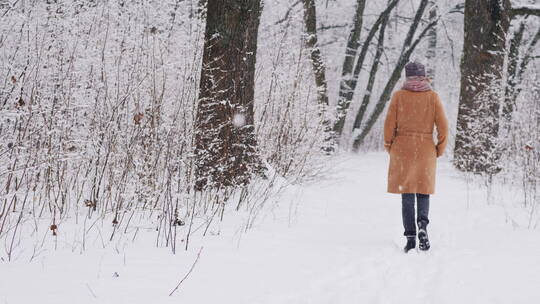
(411, 243)
(423, 238)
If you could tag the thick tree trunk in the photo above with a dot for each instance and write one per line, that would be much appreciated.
(225, 143)
(486, 26)
(319, 70)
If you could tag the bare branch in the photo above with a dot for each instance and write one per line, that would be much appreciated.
(333, 26)
(525, 11)
(288, 13)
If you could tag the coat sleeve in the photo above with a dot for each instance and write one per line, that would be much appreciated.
(390, 124)
(442, 126)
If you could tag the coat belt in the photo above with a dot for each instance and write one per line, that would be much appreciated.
(415, 134)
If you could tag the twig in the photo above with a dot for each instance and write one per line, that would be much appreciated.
(331, 26)
(187, 274)
(91, 291)
(288, 13)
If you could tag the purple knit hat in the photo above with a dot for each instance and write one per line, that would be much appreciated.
(415, 69)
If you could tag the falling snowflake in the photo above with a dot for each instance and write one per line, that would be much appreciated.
(239, 120)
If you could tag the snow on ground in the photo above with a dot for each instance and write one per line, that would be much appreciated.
(337, 241)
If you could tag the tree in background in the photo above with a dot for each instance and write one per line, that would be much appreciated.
(408, 47)
(518, 60)
(486, 24)
(225, 142)
(319, 69)
(347, 83)
(431, 54)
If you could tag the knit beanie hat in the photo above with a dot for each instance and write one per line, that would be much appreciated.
(415, 69)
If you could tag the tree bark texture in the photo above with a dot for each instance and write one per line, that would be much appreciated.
(319, 69)
(486, 26)
(225, 142)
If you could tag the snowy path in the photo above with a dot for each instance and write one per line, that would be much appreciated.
(343, 246)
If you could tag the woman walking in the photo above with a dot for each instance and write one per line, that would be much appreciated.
(408, 136)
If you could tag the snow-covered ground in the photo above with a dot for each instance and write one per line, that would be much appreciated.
(336, 241)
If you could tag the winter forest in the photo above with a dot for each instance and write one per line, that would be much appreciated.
(234, 151)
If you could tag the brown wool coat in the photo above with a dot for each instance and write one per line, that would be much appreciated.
(408, 137)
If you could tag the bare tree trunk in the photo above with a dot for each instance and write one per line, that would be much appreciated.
(372, 74)
(512, 69)
(431, 55)
(515, 72)
(408, 47)
(486, 26)
(528, 56)
(348, 85)
(353, 43)
(319, 69)
(225, 143)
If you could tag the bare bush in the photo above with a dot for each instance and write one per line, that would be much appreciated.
(97, 104)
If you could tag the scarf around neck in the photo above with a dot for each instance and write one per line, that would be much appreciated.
(416, 84)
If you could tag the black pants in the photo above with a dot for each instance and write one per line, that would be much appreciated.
(407, 211)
